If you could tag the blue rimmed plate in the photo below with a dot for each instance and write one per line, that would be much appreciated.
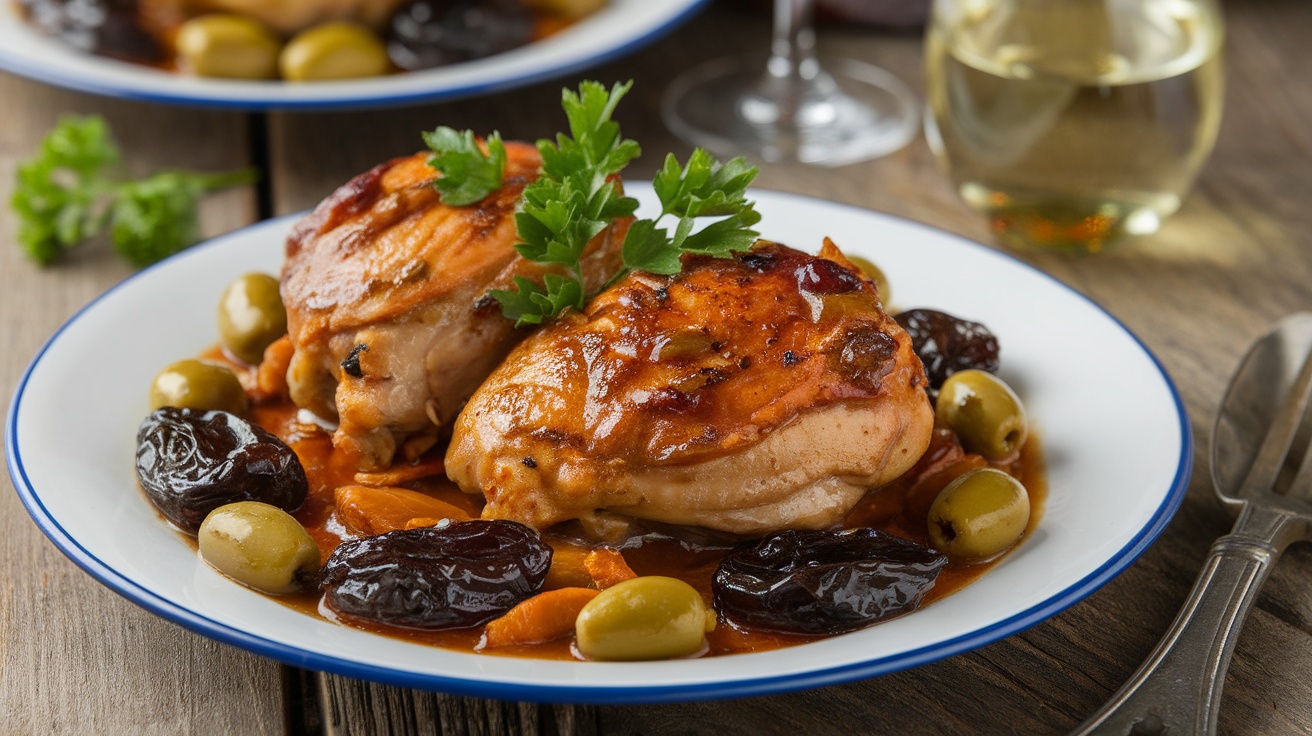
(619, 28)
(1116, 438)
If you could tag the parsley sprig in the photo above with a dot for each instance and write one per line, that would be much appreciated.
(66, 194)
(577, 195)
(469, 173)
(574, 198)
(702, 188)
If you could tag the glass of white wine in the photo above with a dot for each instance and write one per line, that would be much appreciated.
(1073, 123)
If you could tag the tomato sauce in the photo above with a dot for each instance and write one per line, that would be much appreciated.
(894, 508)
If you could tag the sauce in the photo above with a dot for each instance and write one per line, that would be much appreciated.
(893, 508)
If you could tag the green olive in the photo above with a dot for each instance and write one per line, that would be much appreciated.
(232, 46)
(336, 50)
(984, 412)
(650, 617)
(258, 545)
(978, 515)
(251, 316)
(876, 275)
(194, 384)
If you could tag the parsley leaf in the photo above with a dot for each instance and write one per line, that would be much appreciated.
(530, 303)
(573, 199)
(702, 188)
(648, 247)
(469, 174)
(64, 196)
(156, 217)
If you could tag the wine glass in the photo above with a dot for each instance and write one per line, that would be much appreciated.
(792, 110)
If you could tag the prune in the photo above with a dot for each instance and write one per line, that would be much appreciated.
(428, 33)
(947, 344)
(107, 27)
(823, 582)
(442, 577)
(191, 462)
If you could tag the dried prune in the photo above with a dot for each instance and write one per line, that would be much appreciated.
(191, 462)
(426, 33)
(948, 344)
(106, 27)
(451, 576)
(823, 582)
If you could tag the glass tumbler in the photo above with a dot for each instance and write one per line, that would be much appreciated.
(1073, 123)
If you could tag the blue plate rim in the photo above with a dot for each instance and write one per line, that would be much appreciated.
(22, 66)
(746, 686)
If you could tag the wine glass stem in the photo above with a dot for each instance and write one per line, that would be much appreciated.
(794, 92)
(792, 51)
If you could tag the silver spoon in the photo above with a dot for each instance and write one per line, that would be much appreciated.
(1257, 445)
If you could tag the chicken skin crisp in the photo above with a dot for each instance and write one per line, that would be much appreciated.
(747, 394)
(386, 309)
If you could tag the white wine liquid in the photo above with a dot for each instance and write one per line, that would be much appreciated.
(1073, 122)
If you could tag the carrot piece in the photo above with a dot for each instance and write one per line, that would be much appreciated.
(271, 375)
(567, 569)
(423, 467)
(368, 510)
(607, 567)
(545, 616)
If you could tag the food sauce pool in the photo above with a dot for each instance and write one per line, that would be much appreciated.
(327, 469)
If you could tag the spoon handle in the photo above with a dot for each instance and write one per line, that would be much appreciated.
(1178, 689)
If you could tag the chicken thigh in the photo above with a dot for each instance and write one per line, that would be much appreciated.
(385, 289)
(747, 394)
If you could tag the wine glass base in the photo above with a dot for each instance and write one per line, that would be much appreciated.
(851, 111)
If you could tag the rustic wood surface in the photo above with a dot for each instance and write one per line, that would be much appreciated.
(75, 658)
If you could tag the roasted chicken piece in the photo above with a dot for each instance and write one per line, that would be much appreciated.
(385, 289)
(747, 394)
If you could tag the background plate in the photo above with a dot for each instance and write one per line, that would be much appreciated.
(619, 28)
(1114, 483)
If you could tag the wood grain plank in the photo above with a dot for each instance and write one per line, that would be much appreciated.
(352, 707)
(74, 657)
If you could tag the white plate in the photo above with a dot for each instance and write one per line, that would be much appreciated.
(1117, 443)
(619, 28)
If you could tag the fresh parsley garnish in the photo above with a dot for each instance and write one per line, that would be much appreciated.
(469, 174)
(702, 188)
(65, 195)
(573, 199)
(577, 196)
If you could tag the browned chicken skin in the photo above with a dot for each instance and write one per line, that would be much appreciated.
(383, 284)
(749, 394)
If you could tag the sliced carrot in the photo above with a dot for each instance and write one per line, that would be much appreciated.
(271, 375)
(545, 616)
(607, 567)
(424, 467)
(369, 510)
(567, 569)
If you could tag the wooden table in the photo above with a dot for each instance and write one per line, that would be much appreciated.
(78, 659)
